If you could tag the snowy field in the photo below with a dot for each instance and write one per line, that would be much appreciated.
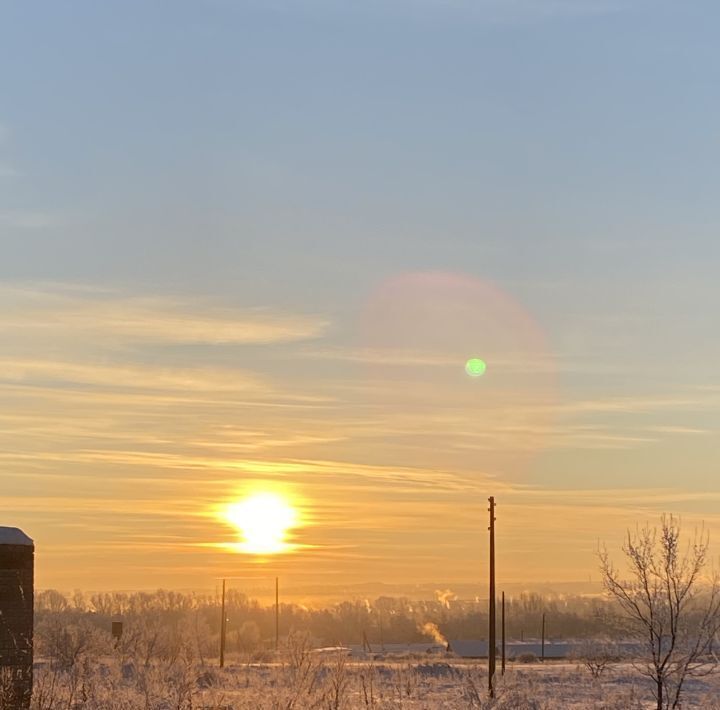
(333, 683)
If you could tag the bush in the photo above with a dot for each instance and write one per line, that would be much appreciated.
(596, 655)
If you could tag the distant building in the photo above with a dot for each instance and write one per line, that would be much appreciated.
(396, 649)
(17, 553)
(553, 649)
(469, 648)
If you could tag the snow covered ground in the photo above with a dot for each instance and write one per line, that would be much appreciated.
(308, 681)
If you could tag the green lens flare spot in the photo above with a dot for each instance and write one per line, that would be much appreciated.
(475, 367)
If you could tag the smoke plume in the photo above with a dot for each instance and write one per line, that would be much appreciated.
(445, 596)
(431, 630)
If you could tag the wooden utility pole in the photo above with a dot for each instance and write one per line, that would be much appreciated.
(491, 603)
(222, 627)
(277, 613)
(542, 647)
(503, 634)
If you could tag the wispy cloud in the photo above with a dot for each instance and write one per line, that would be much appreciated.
(559, 7)
(115, 376)
(398, 357)
(679, 430)
(124, 318)
(25, 219)
(488, 10)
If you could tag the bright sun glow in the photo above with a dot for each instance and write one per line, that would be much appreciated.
(263, 520)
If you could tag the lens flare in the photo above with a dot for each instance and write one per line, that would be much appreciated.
(449, 357)
(475, 367)
(263, 521)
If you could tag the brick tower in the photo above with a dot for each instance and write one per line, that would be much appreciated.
(17, 553)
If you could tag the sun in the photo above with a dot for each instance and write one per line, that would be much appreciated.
(263, 521)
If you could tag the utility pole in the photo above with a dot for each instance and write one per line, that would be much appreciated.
(277, 613)
(503, 633)
(491, 602)
(222, 627)
(543, 638)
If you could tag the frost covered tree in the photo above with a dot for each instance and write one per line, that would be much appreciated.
(671, 605)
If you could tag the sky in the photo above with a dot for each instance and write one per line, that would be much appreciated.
(249, 247)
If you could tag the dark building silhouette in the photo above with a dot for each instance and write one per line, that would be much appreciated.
(17, 553)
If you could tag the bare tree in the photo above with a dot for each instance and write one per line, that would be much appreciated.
(67, 641)
(51, 600)
(597, 655)
(672, 608)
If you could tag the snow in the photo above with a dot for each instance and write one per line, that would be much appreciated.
(14, 536)
(385, 686)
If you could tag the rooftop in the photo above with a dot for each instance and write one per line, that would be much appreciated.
(13, 536)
